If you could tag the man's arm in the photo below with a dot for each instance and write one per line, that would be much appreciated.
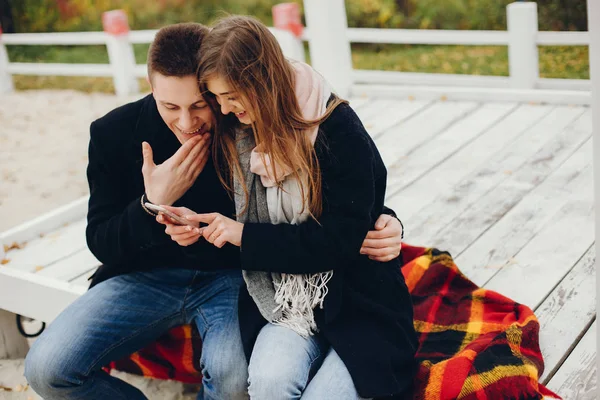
(118, 226)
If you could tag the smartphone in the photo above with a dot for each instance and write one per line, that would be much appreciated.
(173, 216)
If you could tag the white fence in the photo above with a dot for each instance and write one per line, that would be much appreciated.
(329, 44)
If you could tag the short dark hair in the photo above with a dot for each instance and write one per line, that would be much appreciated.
(175, 49)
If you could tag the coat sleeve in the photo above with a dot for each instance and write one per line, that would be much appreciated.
(118, 227)
(333, 242)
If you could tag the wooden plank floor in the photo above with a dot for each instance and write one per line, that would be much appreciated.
(506, 188)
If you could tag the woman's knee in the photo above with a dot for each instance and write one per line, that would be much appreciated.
(275, 382)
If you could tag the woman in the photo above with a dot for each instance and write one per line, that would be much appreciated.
(308, 183)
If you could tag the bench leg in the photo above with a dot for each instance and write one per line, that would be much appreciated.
(12, 343)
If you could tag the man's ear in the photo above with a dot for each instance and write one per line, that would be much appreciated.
(149, 83)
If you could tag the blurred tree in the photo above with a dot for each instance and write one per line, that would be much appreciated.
(6, 17)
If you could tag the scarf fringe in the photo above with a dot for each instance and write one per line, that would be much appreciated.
(297, 295)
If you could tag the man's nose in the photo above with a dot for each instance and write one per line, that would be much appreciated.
(186, 121)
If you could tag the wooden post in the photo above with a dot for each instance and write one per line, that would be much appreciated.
(12, 343)
(522, 19)
(6, 83)
(328, 42)
(120, 52)
(286, 17)
(593, 11)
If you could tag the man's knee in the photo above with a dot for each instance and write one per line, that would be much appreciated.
(47, 368)
(227, 377)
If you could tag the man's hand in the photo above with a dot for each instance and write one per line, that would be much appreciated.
(220, 229)
(167, 182)
(385, 242)
(184, 235)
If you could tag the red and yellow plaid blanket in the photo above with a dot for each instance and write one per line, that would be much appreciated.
(474, 343)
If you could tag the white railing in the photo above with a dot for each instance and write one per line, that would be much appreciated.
(329, 44)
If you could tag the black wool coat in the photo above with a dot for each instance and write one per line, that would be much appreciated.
(119, 232)
(367, 315)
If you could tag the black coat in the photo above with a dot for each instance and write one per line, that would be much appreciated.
(367, 315)
(119, 232)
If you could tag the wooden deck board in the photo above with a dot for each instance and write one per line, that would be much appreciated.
(567, 313)
(503, 136)
(576, 378)
(458, 219)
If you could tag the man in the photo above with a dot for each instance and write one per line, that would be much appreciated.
(148, 284)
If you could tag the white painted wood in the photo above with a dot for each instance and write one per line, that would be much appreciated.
(46, 223)
(574, 97)
(534, 271)
(6, 83)
(522, 21)
(52, 247)
(329, 46)
(576, 378)
(12, 343)
(566, 314)
(71, 266)
(564, 84)
(358, 103)
(400, 141)
(593, 8)
(122, 63)
(501, 243)
(142, 36)
(55, 38)
(477, 203)
(33, 296)
(417, 163)
(57, 69)
(384, 114)
(563, 38)
(441, 180)
(291, 46)
(427, 79)
(428, 36)
(83, 281)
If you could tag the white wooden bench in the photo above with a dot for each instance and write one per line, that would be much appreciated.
(505, 187)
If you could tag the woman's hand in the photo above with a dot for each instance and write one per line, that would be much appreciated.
(184, 235)
(220, 229)
(385, 242)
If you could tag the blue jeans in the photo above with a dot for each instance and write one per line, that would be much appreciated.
(124, 314)
(284, 365)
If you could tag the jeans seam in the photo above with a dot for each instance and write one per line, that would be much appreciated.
(125, 339)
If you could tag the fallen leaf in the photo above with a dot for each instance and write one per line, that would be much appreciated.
(6, 388)
(13, 246)
(18, 388)
(39, 268)
(411, 98)
(443, 98)
(5, 261)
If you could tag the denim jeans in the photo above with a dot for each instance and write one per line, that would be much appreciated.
(284, 365)
(124, 314)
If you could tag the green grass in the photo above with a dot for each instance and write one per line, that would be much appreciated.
(555, 62)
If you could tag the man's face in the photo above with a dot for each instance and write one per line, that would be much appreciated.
(181, 105)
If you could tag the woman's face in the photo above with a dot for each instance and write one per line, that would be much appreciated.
(230, 100)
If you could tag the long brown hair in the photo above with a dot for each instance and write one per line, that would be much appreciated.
(243, 52)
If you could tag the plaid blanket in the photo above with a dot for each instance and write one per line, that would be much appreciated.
(474, 343)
